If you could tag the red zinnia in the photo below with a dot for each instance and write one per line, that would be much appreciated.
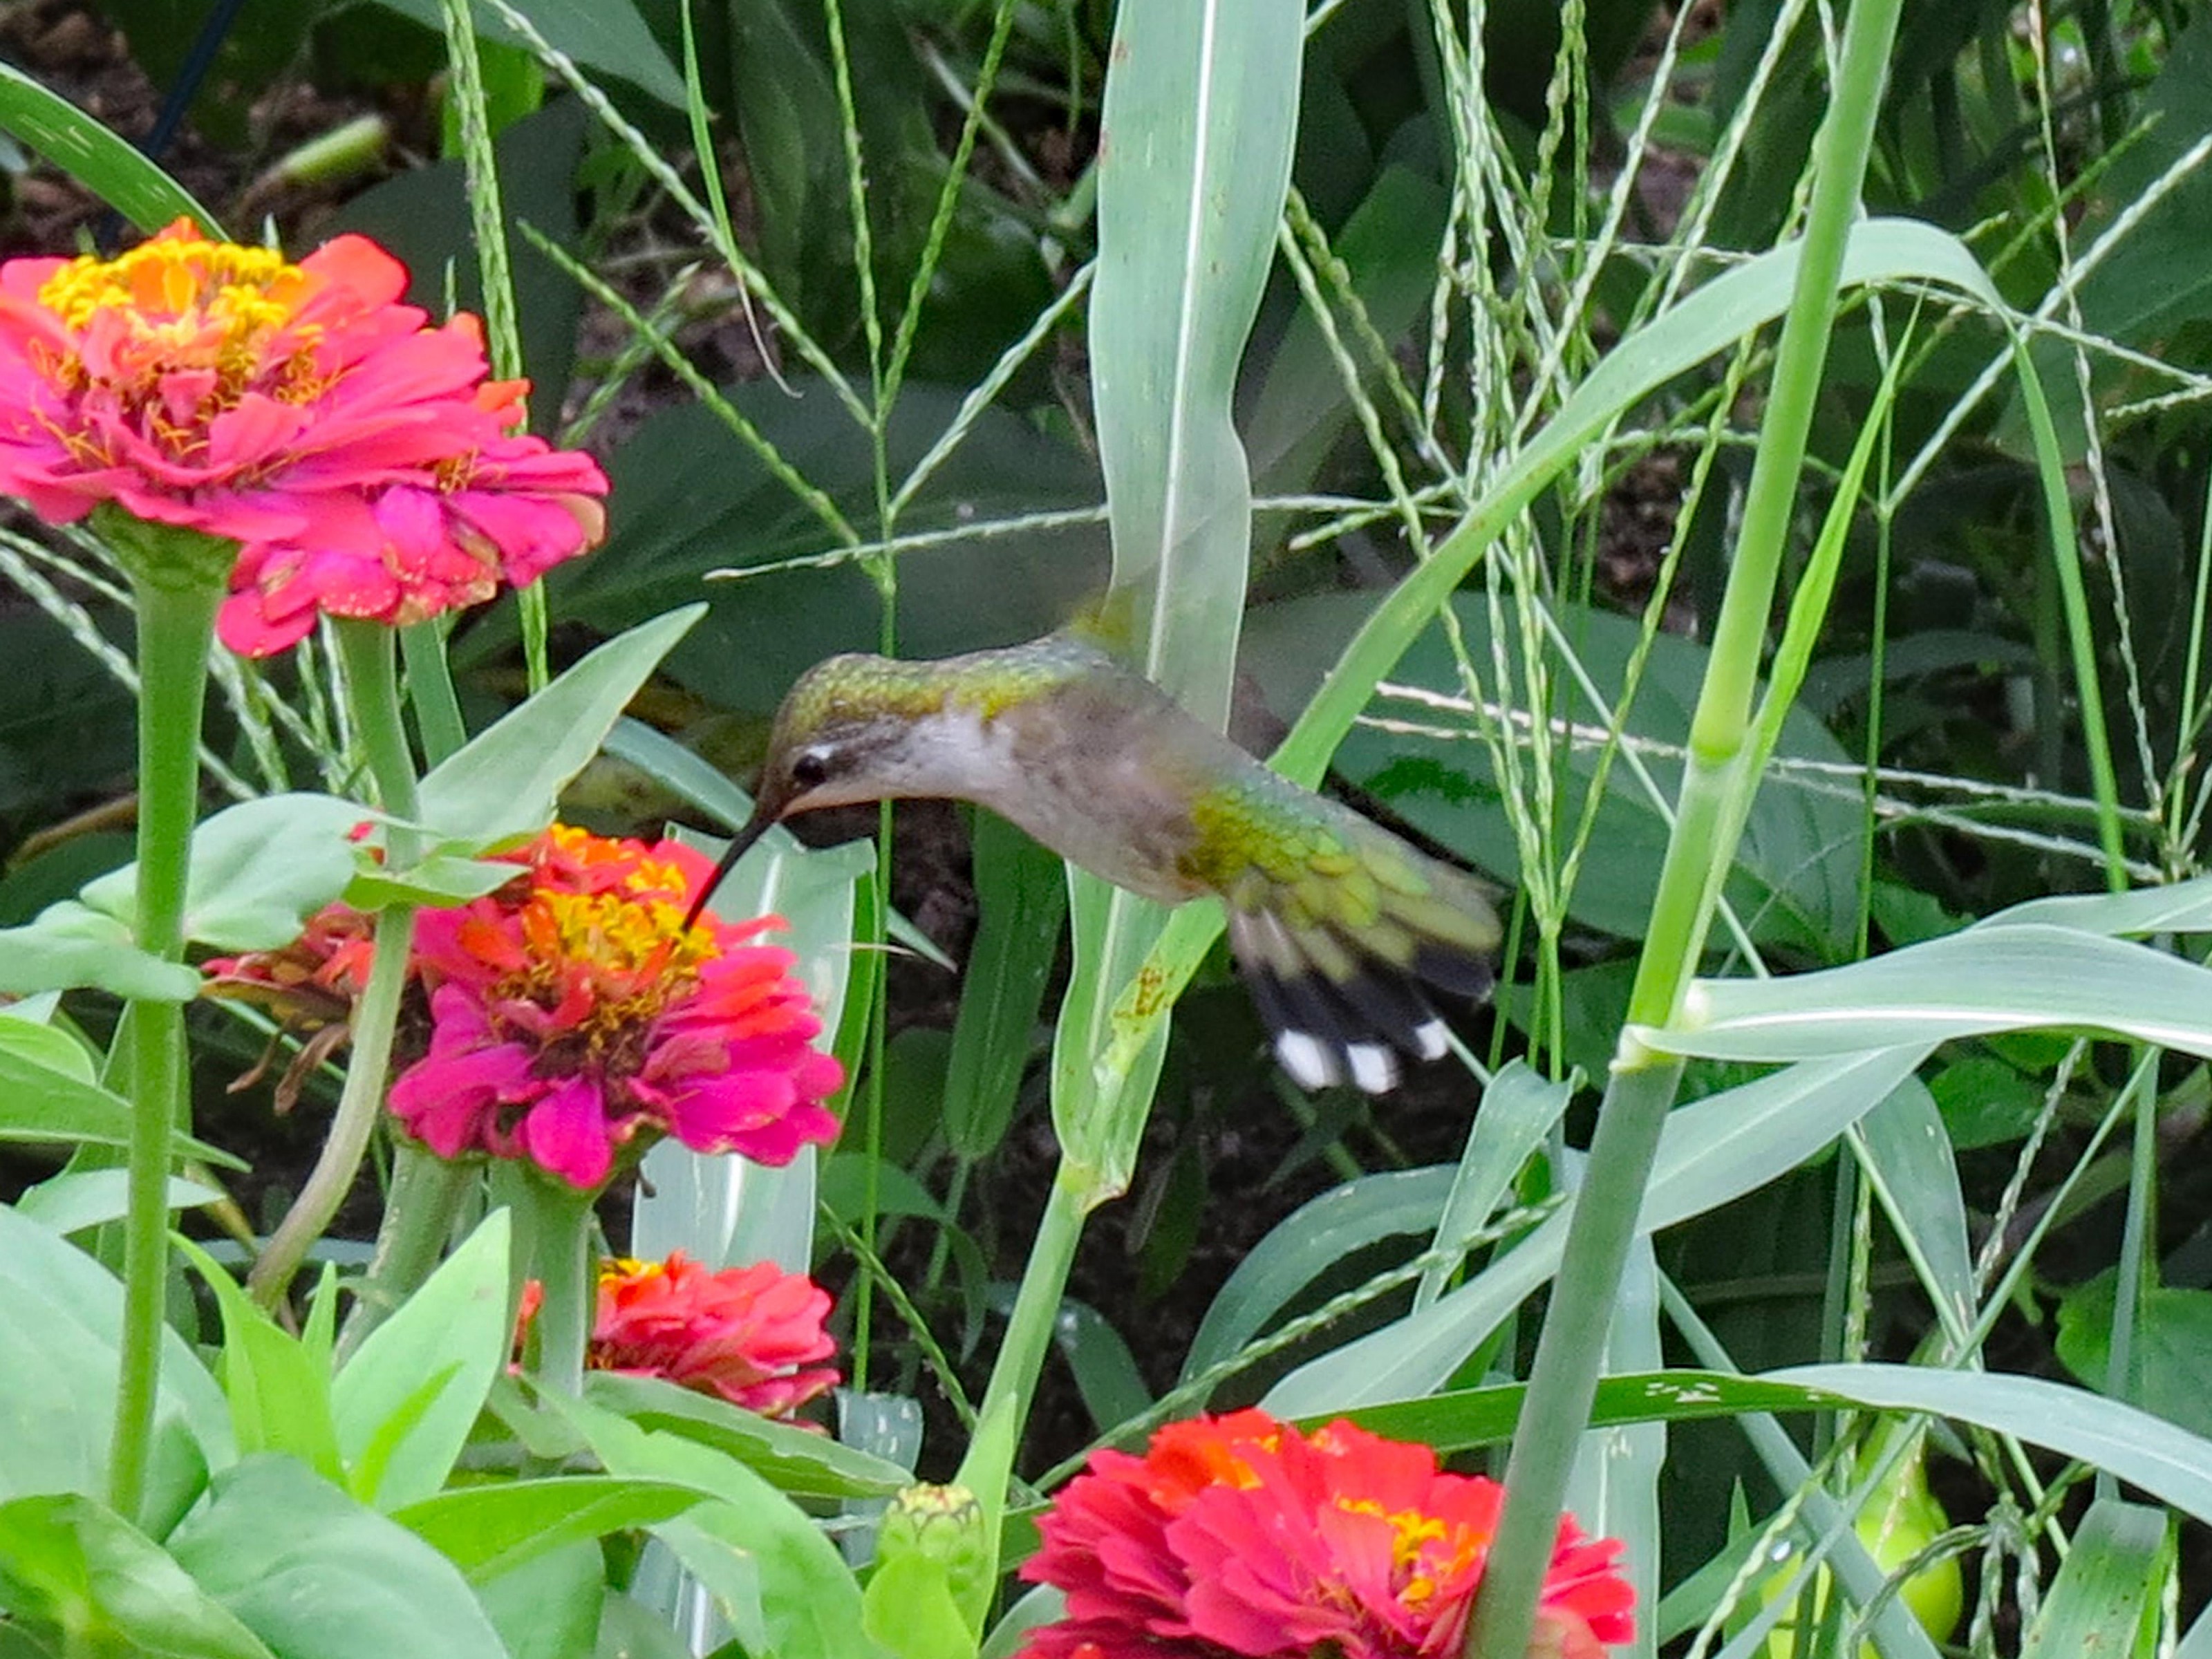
(1238, 1536)
(745, 1333)
(571, 1012)
(358, 457)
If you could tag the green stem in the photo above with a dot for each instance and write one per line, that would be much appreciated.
(176, 627)
(1563, 1380)
(419, 1212)
(430, 690)
(373, 694)
(989, 1465)
(553, 1245)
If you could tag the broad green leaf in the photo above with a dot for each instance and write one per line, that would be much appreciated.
(1714, 1149)
(502, 785)
(74, 1200)
(69, 947)
(2107, 1594)
(279, 1387)
(258, 871)
(109, 166)
(74, 1566)
(792, 1459)
(2166, 1357)
(438, 882)
(493, 1530)
(39, 1102)
(1987, 979)
(779, 1581)
(310, 1571)
(59, 1312)
(405, 1401)
(552, 1607)
(43, 1044)
(612, 39)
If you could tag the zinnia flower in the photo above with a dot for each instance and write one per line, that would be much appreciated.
(573, 1016)
(358, 457)
(312, 983)
(1238, 1536)
(744, 1334)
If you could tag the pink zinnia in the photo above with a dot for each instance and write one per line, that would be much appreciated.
(747, 1334)
(358, 457)
(573, 1016)
(1239, 1537)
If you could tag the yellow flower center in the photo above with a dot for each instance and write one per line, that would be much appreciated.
(179, 306)
(1425, 1553)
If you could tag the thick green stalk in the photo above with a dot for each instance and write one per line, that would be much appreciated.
(373, 694)
(989, 1463)
(176, 627)
(419, 1212)
(1571, 1352)
(553, 1223)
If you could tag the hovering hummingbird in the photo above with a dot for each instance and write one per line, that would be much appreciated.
(1340, 926)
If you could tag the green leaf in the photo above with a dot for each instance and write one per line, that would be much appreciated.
(1712, 1151)
(75, 1200)
(1916, 1176)
(314, 1573)
(2166, 1357)
(437, 883)
(1021, 893)
(487, 1531)
(502, 785)
(258, 871)
(793, 1459)
(405, 1401)
(778, 1580)
(69, 947)
(107, 165)
(39, 1102)
(2107, 1594)
(59, 1312)
(75, 1566)
(2167, 1462)
(1987, 979)
(279, 1388)
(552, 1608)
(612, 39)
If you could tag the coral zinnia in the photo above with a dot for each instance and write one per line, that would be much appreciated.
(571, 1013)
(745, 1333)
(359, 459)
(1238, 1536)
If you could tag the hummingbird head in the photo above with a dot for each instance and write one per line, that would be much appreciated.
(852, 728)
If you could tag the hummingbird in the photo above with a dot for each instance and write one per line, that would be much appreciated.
(1341, 928)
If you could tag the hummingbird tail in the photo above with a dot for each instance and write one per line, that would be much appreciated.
(1345, 1008)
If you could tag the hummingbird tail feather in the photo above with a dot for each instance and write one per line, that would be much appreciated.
(1339, 1011)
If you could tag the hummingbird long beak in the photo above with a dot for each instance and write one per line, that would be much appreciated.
(764, 818)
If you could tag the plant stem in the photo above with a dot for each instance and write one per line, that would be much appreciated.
(555, 1243)
(988, 1466)
(373, 692)
(176, 627)
(418, 1214)
(1571, 1352)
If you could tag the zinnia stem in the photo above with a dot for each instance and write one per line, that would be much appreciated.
(419, 1212)
(989, 1464)
(373, 694)
(553, 1238)
(176, 627)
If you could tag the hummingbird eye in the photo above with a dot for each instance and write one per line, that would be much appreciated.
(810, 767)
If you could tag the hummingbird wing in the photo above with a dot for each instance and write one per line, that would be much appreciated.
(1343, 931)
